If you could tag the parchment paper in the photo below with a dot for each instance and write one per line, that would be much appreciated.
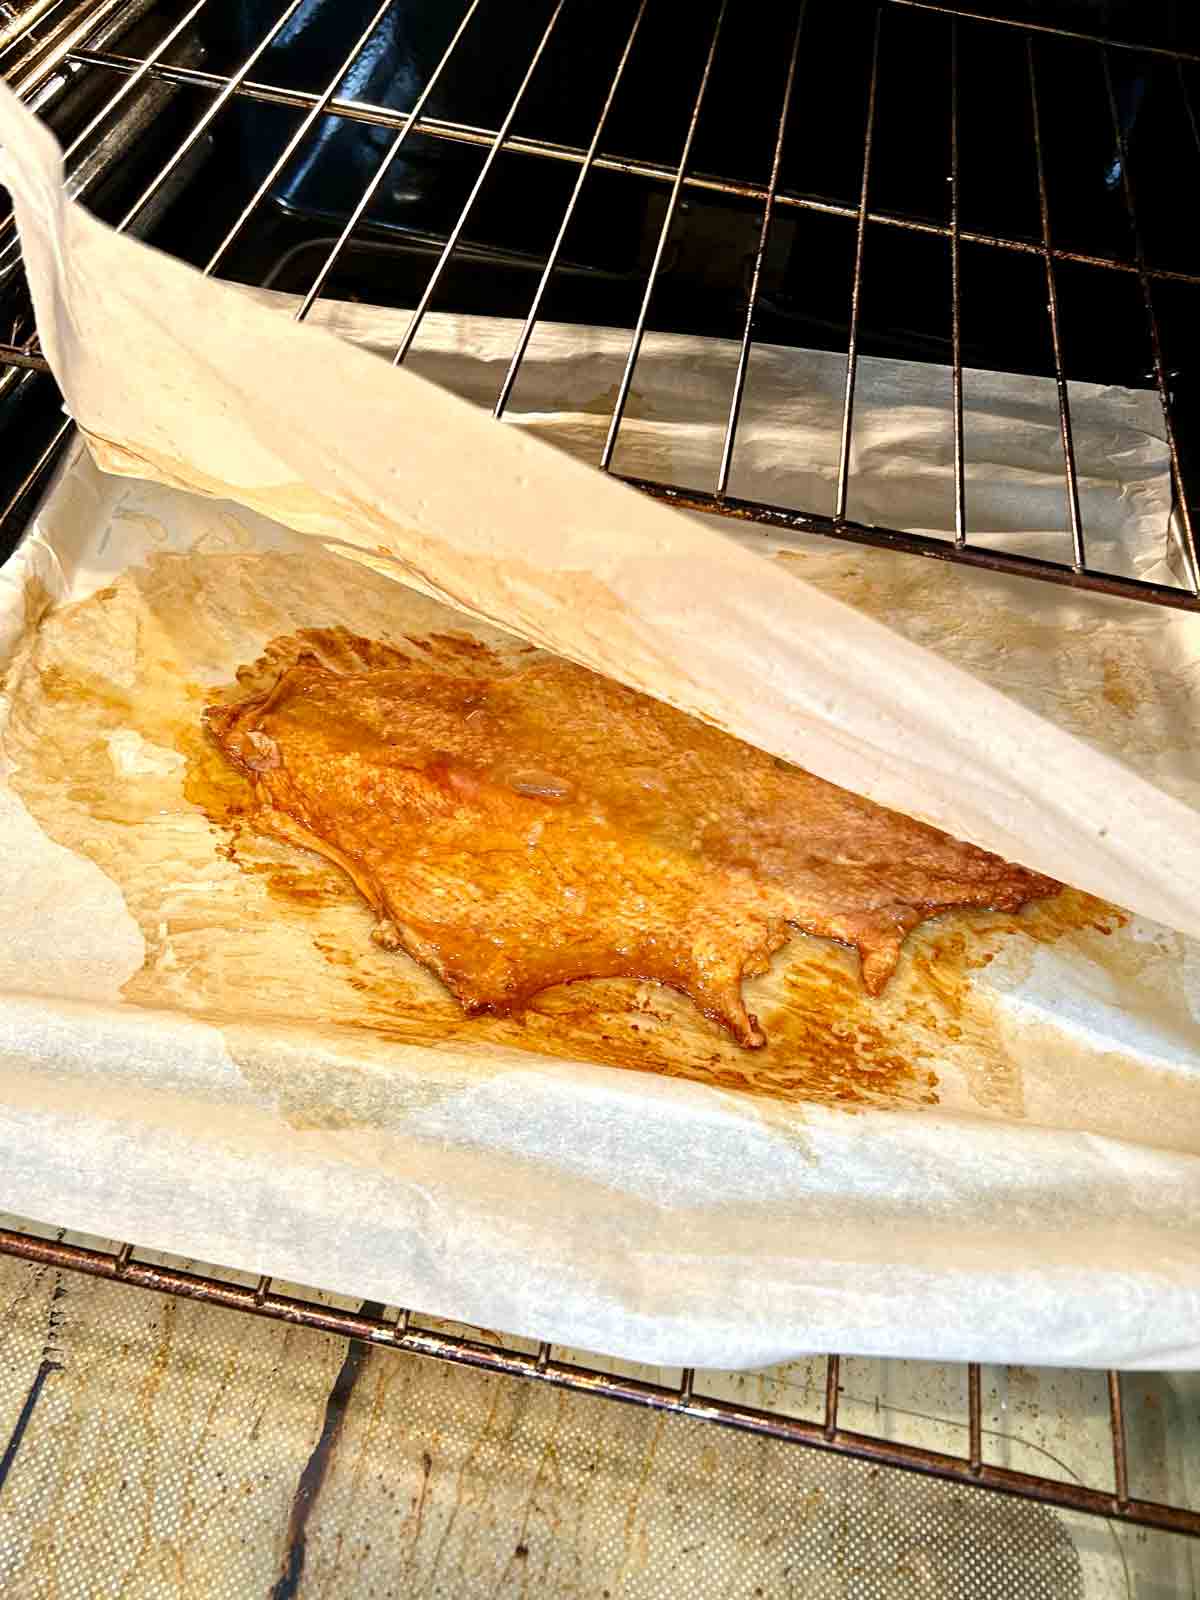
(199, 1050)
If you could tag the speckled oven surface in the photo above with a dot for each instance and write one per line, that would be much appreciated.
(153, 1447)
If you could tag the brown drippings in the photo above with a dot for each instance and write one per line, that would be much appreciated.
(840, 1036)
(37, 600)
(1117, 692)
(934, 1015)
(944, 997)
(1070, 912)
(503, 829)
(454, 646)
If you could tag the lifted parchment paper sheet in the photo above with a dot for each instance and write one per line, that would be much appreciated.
(175, 377)
(997, 1160)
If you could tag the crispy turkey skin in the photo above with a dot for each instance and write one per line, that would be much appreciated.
(541, 825)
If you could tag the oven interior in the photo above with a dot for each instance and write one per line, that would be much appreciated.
(972, 189)
(1004, 187)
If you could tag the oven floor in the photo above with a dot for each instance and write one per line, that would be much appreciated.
(151, 1447)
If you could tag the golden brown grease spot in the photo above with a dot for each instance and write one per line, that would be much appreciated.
(36, 599)
(1117, 692)
(838, 1036)
(210, 782)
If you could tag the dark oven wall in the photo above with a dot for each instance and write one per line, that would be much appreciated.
(702, 285)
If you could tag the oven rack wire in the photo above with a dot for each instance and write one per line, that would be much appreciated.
(53, 42)
(69, 38)
(395, 1329)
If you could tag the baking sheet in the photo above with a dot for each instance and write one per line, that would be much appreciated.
(996, 1160)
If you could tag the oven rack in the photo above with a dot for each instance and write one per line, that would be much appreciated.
(54, 44)
(396, 1329)
(65, 41)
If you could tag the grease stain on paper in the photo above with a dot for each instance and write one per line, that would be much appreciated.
(1120, 677)
(110, 757)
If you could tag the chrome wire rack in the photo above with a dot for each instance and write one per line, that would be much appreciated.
(395, 1329)
(148, 104)
(1065, 207)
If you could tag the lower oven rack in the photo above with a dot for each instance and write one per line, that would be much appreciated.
(396, 1329)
